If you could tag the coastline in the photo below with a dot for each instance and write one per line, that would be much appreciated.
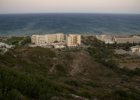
(83, 34)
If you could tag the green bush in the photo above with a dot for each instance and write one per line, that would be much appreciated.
(14, 40)
(15, 95)
(60, 69)
(103, 55)
(25, 85)
(130, 72)
(125, 95)
(25, 41)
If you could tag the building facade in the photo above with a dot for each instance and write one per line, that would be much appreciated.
(47, 39)
(73, 40)
(108, 39)
(70, 40)
(127, 39)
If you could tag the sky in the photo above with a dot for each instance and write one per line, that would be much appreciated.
(70, 6)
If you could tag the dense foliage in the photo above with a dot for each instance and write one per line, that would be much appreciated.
(15, 86)
(102, 53)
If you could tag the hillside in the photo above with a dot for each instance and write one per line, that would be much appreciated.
(69, 74)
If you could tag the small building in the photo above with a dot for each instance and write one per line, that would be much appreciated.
(135, 49)
(107, 39)
(4, 47)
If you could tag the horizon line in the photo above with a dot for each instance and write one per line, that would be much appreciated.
(70, 13)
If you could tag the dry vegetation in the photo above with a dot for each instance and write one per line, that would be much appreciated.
(50, 74)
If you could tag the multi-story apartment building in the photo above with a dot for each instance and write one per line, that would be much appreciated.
(73, 40)
(38, 39)
(70, 40)
(47, 39)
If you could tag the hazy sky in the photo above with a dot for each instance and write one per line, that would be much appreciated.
(59, 6)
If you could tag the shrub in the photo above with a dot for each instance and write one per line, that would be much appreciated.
(14, 40)
(13, 84)
(60, 69)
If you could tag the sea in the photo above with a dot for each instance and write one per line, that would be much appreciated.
(28, 24)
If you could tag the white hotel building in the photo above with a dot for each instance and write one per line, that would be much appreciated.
(70, 40)
(47, 39)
